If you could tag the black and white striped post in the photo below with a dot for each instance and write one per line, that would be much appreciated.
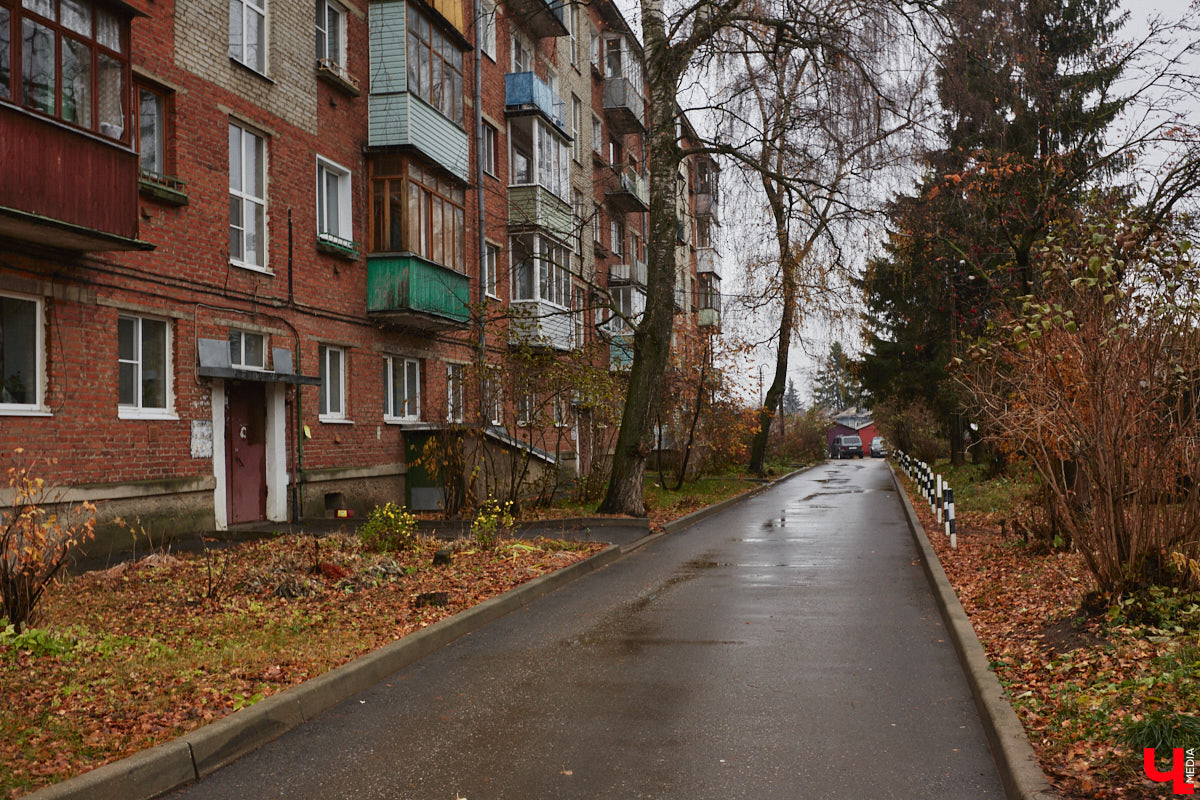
(937, 494)
(950, 529)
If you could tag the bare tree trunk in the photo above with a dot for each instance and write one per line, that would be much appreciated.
(652, 339)
(766, 414)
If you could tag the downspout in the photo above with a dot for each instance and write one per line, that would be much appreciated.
(482, 305)
(298, 451)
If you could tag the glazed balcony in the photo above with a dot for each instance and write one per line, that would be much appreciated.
(706, 203)
(408, 291)
(623, 105)
(66, 189)
(709, 318)
(536, 207)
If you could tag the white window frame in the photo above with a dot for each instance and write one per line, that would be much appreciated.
(494, 396)
(491, 279)
(455, 393)
(337, 60)
(597, 135)
(243, 194)
(137, 409)
(249, 10)
(491, 137)
(577, 129)
(38, 406)
(487, 29)
(325, 352)
(409, 414)
(522, 54)
(345, 220)
(239, 360)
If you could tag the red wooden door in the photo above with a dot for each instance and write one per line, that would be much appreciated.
(246, 452)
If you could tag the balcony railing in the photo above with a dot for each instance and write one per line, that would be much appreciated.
(524, 91)
(708, 261)
(539, 17)
(706, 204)
(709, 318)
(623, 105)
(540, 324)
(66, 189)
(535, 206)
(620, 351)
(632, 192)
(407, 290)
(620, 274)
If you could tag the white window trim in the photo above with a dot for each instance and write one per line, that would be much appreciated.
(388, 416)
(490, 150)
(337, 416)
(139, 412)
(261, 10)
(493, 291)
(345, 194)
(38, 407)
(488, 28)
(340, 10)
(266, 349)
(462, 392)
(243, 197)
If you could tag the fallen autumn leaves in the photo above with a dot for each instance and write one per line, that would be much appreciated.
(1076, 680)
(138, 654)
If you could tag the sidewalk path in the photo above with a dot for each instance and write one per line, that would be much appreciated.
(786, 648)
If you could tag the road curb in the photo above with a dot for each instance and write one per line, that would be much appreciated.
(168, 766)
(1015, 758)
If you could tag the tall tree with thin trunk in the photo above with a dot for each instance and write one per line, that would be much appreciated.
(695, 41)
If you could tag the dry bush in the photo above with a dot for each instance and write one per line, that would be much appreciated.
(1096, 383)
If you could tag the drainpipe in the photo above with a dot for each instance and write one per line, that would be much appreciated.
(298, 451)
(482, 344)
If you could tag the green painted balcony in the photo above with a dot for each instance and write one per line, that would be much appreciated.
(407, 291)
(534, 206)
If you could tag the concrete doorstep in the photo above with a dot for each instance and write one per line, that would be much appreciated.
(1016, 760)
(168, 766)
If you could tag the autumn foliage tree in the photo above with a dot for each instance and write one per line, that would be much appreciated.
(38, 533)
(1096, 382)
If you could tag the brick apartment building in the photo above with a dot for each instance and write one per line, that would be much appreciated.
(250, 252)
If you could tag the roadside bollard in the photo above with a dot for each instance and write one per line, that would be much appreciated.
(940, 497)
(950, 528)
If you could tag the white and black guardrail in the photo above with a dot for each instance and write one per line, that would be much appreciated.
(934, 489)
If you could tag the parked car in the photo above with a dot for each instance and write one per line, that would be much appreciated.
(878, 448)
(847, 446)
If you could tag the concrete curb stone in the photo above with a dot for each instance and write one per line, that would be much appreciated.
(170, 765)
(201, 752)
(1015, 758)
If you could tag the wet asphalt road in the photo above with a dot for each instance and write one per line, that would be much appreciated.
(786, 648)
